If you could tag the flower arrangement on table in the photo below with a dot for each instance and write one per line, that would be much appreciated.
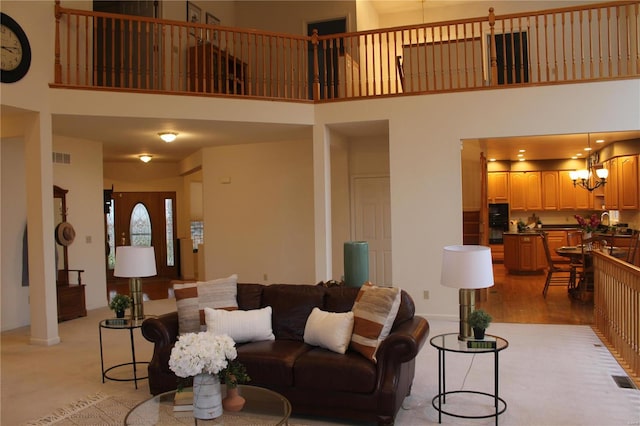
(198, 353)
(588, 225)
(206, 356)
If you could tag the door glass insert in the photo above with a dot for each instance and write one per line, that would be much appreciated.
(168, 214)
(111, 236)
(140, 226)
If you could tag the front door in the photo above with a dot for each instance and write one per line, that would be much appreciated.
(372, 223)
(144, 219)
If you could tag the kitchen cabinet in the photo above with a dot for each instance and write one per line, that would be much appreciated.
(497, 253)
(628, 182)
(549, 179)
(498, 187)
(524, 253)
(611, 187)
(572, 197)
(525, 191)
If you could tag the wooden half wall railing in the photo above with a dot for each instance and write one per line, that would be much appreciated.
(121, 52)
(617, 310)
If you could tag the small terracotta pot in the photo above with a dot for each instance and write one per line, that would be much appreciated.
(233, 401)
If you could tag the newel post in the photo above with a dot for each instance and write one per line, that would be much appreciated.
(316, 68)
(57, 68)
(492, 42)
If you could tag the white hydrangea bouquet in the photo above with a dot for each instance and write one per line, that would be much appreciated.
(198, 353)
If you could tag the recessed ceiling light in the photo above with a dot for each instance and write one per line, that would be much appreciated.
(579, 154)
(599, 140)
(145, 158)
(588, 148)
(523, 150)
(492, 159)
(520, 155)
(168, 136)
(575, 157)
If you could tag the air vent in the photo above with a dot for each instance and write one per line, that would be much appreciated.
(624, 382)
(61, 158)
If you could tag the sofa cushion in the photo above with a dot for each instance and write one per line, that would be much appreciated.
(374, 312)
(241, 326)
(340, 299)
(329, 330)
(270, 362)
(292, 305)
(250, 296)
(339, 373)
(192, 298)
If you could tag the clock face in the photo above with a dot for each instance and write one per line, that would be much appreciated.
(16, 52)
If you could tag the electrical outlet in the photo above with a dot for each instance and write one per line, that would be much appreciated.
(426, 295)
(265, 276)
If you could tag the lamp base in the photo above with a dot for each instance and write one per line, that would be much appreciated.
(135, 289)
(467, 298)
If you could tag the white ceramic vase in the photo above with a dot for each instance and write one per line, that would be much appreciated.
(207, 398)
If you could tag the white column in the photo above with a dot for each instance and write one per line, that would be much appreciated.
(42, 267)
(322, 202)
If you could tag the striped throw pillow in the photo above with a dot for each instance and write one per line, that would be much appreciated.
(374, 311)
(192, 298)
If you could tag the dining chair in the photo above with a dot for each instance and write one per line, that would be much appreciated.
(584, 269)
(557, 275)
(633, 248)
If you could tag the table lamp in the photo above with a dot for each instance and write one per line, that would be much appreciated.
(134, 262)
(466, 268)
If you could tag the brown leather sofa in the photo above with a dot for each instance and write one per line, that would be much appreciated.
(316, 381)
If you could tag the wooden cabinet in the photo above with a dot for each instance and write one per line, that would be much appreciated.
(525, 191)
(498, 187)
(628, 182)
(549, 180)
(611, 187)
(71, 302)
(572, 197)
(523, 253)
(212, 70)
(497, 253)
(471, 227)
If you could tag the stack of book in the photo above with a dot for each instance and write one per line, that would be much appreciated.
(183, 400)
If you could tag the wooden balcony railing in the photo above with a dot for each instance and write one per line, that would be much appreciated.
(617, 310)
(121, 52)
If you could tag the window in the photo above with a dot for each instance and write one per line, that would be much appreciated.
(197, 233)
(140, 226)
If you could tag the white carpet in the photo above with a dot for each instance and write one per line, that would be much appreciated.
(549, 375)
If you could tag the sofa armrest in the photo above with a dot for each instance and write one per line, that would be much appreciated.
(404, 342)
(161, 330)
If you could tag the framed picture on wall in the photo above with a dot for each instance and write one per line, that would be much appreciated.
(194, 14)
(213, 34)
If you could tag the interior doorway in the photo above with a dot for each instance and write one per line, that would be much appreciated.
(144, 219)
(372, 223)
(327, 57)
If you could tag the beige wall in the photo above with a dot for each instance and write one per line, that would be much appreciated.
(258, 212)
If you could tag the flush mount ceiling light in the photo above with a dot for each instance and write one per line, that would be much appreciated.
(168, 136)
(583, 177)
(145, 158)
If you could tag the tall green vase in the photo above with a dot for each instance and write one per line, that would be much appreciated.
(356, 263)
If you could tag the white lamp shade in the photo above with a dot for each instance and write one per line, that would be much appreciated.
(135, 262)
(602, 173)
(467, 266)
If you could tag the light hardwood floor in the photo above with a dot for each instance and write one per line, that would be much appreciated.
(518, 299)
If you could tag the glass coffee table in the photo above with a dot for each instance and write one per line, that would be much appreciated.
(263, 407)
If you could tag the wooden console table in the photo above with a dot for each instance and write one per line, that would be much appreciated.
(212, 70)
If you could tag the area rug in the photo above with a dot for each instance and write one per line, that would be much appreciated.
(105, 410)
(97, 409)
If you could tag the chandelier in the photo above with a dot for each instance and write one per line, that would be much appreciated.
(582, 177)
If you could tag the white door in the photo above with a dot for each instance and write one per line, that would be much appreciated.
(372, 223)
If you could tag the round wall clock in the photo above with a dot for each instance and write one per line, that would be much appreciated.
(16, 52)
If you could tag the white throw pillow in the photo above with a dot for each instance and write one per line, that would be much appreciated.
(241, 326)
(329, 330)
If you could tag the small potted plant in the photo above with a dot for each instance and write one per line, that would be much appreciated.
(479, 320)
(119, 303)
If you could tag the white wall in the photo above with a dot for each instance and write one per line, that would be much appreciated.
(83, 179)
(13, 209)
(261, 221)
